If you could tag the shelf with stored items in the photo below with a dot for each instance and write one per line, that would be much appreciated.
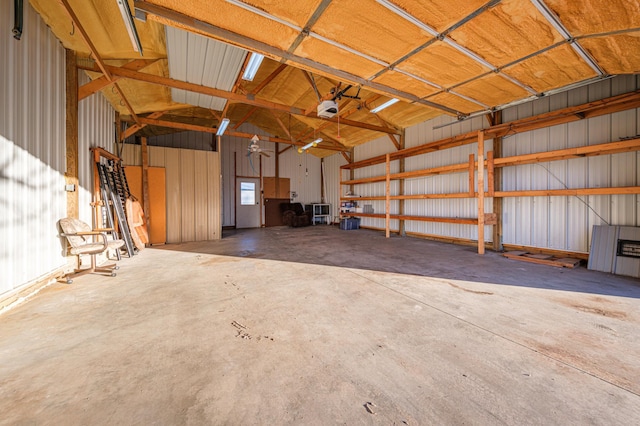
(478, 166)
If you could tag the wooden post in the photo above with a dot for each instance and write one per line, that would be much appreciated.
(401, 223)
(71, 172)
(322, 194)
(472, 171)
(145, 182)
(497, 182)
(490, 174)
(480, 192)
(97, 197)
(388, 198)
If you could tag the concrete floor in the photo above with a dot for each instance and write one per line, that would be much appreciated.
(321, 326)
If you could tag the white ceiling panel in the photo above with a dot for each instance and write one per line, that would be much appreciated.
(200, 60)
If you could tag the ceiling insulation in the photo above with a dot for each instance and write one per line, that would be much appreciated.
(511, 30)
(438, 57)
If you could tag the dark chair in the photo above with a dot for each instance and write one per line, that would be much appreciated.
(293, 215)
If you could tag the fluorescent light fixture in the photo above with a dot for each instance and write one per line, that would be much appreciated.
(222, 127)
(384, 105)
(309, 145)
(252, 67)
(123, 5)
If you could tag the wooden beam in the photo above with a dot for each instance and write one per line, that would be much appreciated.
(401, 165)
(480, 192)
(346, 156)
(96, 56)
(269, 79)
(490, 174)
(570, 192)
(136, 127)
(100, 83)
(71, 127)
(282, 126)
(387, 206)
(94, 86)
(187, 22)
(234, 97)
(245, 117)
(472, 172)
(563, 154)
(145, 181)
(618, 103)
(285, 149)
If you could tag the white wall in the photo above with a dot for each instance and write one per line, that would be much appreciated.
(562, 223)
(192, 190)
(566, 222)
(96, 128)
(303, 170)
(32, 151)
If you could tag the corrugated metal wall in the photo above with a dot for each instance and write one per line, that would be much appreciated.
(32, 150)
(192, 188)
(333, 175)
(95, 129)
(565, 223)
(447, 183)
(186, 140)
(562, 223)
(303, 170)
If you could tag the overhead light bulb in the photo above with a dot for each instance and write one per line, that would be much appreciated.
(384, 105)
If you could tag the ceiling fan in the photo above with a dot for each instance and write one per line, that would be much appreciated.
(255, 148)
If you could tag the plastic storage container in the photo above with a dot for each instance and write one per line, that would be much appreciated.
(350, 223)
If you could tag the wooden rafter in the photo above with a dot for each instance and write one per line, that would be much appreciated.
(102, 82)
(181, 20)
(284, 128)
(246, 117)
(235, 97)
(610, 105)
(96, 56)
(134, 129)
(269, 79)
(198, 128)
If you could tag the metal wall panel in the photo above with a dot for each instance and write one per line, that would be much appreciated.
(565, 222)
(95, 129)
(192, 190)
(303, 170)
(32, 151)
(186, 140)
(187, 195)
(201, 60)
(562, 223)
(333, 175)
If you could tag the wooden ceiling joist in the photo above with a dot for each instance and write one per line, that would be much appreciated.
(147, 121)
(94, 52)
(269, 79)
(230, 96)
(605, 106)
(183, 21)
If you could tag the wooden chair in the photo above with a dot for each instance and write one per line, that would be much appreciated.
(83, 240)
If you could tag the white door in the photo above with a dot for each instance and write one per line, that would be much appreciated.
(247, 203)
